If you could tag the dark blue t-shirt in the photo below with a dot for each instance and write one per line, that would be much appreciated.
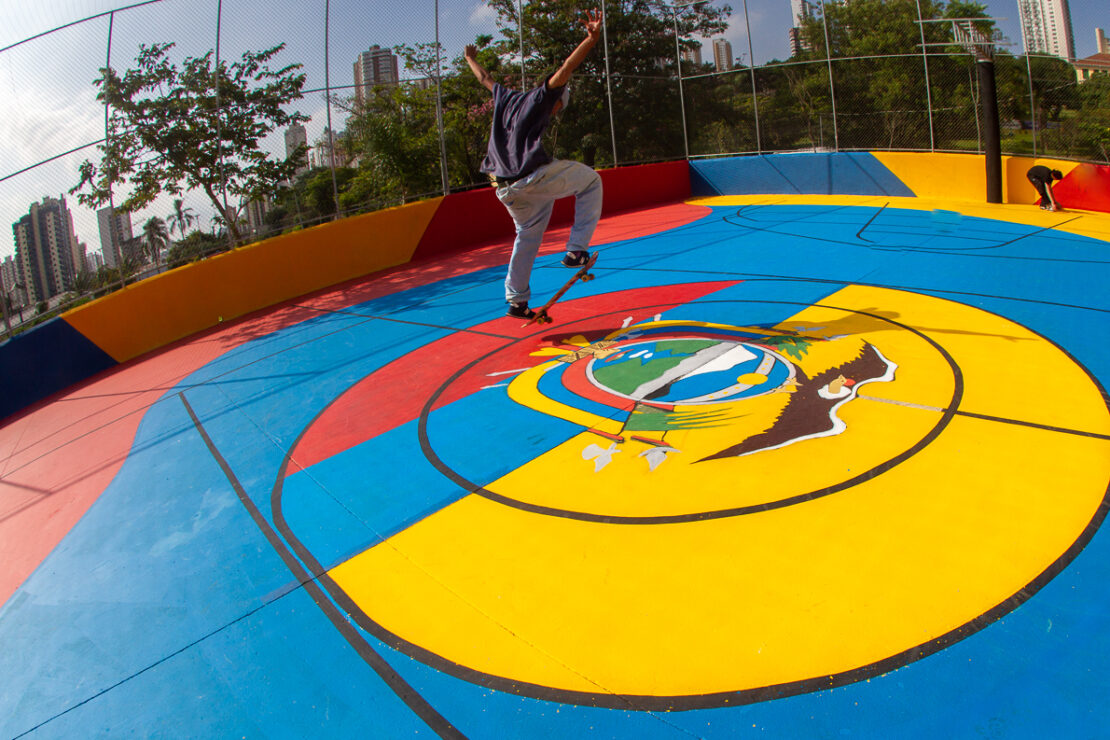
(519, 119)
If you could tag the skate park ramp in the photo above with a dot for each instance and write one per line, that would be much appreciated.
(801, 464)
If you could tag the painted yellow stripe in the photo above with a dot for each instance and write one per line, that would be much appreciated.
(176, 304)
(1086, 223)
(524, 391)
(791, 594)
(963, 176)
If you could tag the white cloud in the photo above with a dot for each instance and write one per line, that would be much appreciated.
(483, 16)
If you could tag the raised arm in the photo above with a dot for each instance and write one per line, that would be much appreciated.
(470, 53)
(592, 24)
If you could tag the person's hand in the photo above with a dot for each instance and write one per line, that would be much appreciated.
(592, 22)
(470, 52)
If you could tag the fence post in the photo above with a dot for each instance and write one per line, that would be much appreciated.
(439, 106)
(1032, 103)
(832, 88)
(928, 87)
(327, 97)
(520, 31)
(681, 96)
(219, 132)
(751, 69)
(608, 81)
(108, 142)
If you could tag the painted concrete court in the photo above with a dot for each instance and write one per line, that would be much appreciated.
(790, 466)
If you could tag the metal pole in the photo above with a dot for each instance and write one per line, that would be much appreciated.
(520, 30)
(439, 108)
(751, 68)
(327, 96)
(107, 138)
(1032, 103)
(928, 87)
(608, 81)
(681, 96)
(993, 148)
(832, 88)
(219, 130)
(975, 93)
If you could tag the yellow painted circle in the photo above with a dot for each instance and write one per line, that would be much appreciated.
(794, 596)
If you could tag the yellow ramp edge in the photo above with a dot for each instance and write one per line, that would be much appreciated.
(195, 297)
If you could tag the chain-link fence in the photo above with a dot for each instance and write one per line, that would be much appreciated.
(387, 112)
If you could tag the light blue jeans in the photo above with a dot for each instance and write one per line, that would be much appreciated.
(530, 200)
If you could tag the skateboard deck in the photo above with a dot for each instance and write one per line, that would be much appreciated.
(542, 316)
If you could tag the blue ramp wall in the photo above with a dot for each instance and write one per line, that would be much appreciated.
(808, 173)
(45, 360)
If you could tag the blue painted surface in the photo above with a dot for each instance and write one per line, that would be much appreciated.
(44, 360)
(168, 611)
(841, 173)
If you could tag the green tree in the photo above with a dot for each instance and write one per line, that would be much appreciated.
(640, 35)
(196, 245)
(878, 74)
(156, 237)
(181, 218)
(197, 126)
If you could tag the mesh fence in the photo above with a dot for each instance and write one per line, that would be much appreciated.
(384, 116)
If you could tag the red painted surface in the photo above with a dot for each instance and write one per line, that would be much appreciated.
(1086, 187)
(476, 216)
(373, 406)
(57, 457)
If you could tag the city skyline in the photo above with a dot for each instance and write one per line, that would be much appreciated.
(46, 83)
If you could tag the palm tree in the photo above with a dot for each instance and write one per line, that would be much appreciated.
(181, 218)
(156, 238)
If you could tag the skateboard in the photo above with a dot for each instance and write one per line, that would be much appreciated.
(583, 274)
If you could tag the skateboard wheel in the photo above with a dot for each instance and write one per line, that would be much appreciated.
(587, 277)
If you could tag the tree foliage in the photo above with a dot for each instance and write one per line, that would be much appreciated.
(197, 126)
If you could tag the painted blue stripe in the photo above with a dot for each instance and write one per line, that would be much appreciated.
(841, 173)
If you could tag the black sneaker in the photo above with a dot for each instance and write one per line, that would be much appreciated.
(520, 311)
(577, 258)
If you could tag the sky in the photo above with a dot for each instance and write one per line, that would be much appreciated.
(50, 105)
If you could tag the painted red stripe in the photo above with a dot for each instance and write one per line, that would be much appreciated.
(396, 393)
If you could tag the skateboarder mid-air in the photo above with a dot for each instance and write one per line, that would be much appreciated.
(527, 179)
(1042, 178)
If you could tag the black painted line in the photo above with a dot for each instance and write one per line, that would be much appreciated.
(909, 248)
(1034, 425)
(721, 699)
(875, 215)
(477, 489)
(988, 417)
(756, 276)
(153, 665)
(433, 660)
(414, 700)
(1040, 231)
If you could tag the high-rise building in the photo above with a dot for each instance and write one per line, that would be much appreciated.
(115, 234)
(297, 136)
(1046, 28)
(45, 247)
(722, 55)
(800, 10)
(255, 212)
(693, 56)
(1101, 45)
(376, 66)
(12, 278)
